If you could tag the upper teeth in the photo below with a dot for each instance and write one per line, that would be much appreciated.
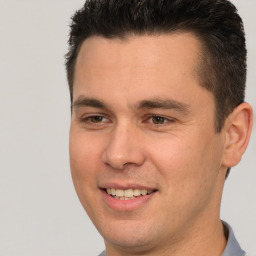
(129, 193)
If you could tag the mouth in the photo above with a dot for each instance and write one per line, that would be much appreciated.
(127, 198)
(128, 194)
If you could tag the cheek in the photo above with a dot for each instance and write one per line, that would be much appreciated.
(84, 158)
(82, 147)
(186, 170)
(84, 163)
(173, 157)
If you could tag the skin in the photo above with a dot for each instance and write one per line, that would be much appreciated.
(116, 140)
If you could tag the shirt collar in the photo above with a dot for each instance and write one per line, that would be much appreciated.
(232, 248)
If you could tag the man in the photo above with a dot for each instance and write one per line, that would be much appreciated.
(158, 119)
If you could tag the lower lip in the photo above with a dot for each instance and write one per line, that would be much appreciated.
(126, 205)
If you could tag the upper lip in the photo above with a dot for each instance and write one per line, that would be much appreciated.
(125, 186)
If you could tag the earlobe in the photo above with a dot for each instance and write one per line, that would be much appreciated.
(238, 128)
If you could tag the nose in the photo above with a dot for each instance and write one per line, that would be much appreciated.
(124, 148)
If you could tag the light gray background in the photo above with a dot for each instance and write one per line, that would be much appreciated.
(39, 210)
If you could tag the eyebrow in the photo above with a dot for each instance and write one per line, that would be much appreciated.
(164, 104)
(88, 102)
(155, 103)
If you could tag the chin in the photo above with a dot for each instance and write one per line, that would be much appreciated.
(130, 236)
(131, 244)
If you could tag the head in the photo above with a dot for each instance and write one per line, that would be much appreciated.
(123, 136)
(215, 23)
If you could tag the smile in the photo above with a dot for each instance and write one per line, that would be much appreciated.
(127, 194)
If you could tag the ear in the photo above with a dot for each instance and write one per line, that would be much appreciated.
(237, 130)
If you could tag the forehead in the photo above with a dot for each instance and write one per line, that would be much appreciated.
(148, 65)
(182, 49)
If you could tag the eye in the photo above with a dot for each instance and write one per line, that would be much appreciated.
(95, 119)
(158, 120)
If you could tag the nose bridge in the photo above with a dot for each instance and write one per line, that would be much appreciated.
(124, 147)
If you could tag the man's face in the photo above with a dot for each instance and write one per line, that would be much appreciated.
(145, 159)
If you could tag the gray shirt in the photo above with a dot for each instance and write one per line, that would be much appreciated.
(232, 248)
